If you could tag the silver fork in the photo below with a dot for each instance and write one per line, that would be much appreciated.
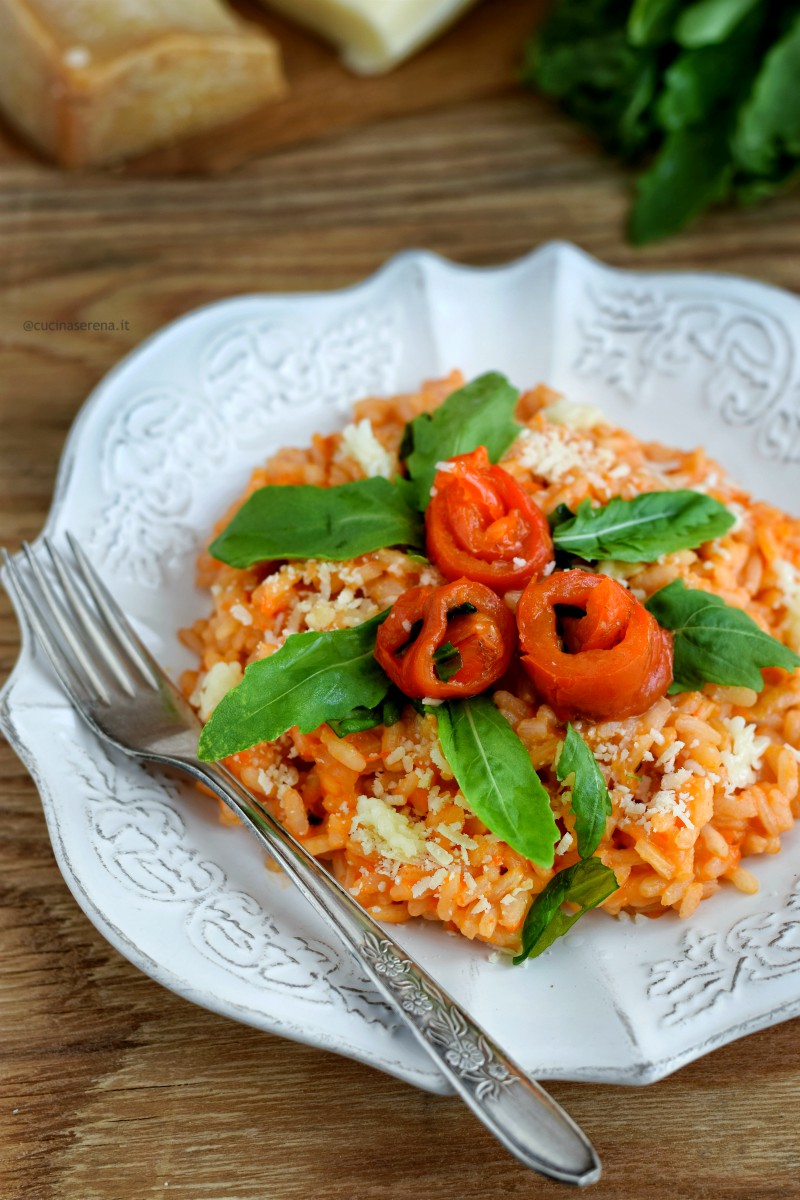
(119, 690)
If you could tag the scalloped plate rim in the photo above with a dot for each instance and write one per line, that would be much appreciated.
(645, 1071)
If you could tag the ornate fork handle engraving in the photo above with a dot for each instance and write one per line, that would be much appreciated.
(466, 1049)
(523, 1117)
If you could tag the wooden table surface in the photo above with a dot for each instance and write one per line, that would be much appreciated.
(112, 1088)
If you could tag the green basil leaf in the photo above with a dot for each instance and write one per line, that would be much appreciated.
(699, 82)
(650, 21)
(591, 802)
(715, 642)
(480, 414)
(691, 171)
(494, 772)
(313, 678)
(587, 883)
(388, 712)
(644, 528)
(709, 22)
(299, 521)
(461, 610)
(767, 136)
(559, 516)
(447, 662)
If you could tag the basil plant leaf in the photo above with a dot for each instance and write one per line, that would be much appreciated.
(587, 883)
(709, 22)
(699, 82)
(691, 170)
(447, 662)
(767, 136)
(715, 642)
(494, 772)
(479, 414)
(388, 712)
(300, 521)
(644, 528)
(313, 678)
(591, 803)
(650, 21)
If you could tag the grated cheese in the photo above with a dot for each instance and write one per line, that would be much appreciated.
(743, 761)
(276, 778)
(552, 457)
(429, 883)
(789, 584)
(378, 827)
(455, 835)
(565, 843)
(215, 684)
(573, 414)
(359, 442)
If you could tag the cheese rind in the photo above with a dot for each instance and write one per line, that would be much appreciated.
(374, 37)
(93, 81)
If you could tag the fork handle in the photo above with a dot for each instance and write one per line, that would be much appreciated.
(520, 1113)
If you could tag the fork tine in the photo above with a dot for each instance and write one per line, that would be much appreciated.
(98, 639)
(50, 604)
(36, 618)
(114, 618)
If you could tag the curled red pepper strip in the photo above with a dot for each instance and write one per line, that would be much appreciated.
(480, 523)
(426, 619)
(614, 662)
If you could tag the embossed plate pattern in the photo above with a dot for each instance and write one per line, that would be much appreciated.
(162, 446)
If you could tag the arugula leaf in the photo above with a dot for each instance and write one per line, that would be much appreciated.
(299, 521)
(480, 414)
(715, 642)
(388, 712)
(313, 678)
(768, 129)
(494, 772)
(599, 78)
(447, 661)
(700, 82)
(644, 528)
(706, 90)
(591, 802)
(587, 883)
(709, 22)
(651, 21)
(691, 171)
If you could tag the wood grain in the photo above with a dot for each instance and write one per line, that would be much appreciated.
(110, 1087)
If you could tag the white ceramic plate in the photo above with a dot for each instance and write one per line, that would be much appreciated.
(169, 438)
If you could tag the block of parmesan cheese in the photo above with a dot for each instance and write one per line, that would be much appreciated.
(374, 35)
(91, 81)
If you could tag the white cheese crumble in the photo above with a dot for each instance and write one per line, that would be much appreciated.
(378, 827)
(212, 686)
(429, 883)
(549, 455)
(360, 443)
(277, 778)
(241, 614)
(789, 584)
(743, 761)
(616, 569)
(564, 845)
(573, 414)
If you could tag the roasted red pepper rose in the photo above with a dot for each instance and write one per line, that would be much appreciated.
(481, 524)
(447, 641)
(603, 656)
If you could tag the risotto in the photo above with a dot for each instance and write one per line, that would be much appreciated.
(698, 781)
